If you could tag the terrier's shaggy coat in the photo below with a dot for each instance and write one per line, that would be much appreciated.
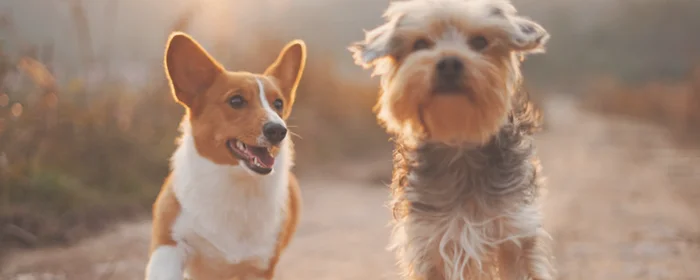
(466, 178)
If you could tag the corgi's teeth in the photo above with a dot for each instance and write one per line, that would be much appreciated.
(240, 145)
(256, 162)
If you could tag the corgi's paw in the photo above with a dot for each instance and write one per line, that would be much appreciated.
(166, 263)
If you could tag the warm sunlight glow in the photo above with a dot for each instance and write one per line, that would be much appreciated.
(16, 110)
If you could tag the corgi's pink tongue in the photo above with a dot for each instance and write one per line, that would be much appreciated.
(263, 155)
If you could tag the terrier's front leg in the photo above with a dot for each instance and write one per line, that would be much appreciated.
(529, 260)
(538, 258)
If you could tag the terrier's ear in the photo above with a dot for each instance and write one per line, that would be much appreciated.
(189, 68)
(377, 45)
(526, 35)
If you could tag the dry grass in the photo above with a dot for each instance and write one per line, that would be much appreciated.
(74, 158)
(71, 158)
(674, 105)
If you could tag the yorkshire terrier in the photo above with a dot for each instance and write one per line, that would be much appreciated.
(466, 177)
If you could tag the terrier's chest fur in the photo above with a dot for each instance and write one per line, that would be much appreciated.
(455, 205)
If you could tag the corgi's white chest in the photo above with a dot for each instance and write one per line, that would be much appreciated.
(235, 230)
(226, 212)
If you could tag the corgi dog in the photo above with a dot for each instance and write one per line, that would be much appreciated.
(230, 205)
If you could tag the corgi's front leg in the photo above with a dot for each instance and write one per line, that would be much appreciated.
(166, 263)
(168, 257)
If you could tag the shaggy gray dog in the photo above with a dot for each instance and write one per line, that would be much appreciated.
(466, 178)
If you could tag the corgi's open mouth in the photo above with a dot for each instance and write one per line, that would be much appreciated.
(256, 158)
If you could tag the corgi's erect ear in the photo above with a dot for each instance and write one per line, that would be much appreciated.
(288, 68)
(189, 68)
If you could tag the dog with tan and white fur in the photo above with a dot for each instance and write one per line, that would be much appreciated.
(230, 205)
(466, 177)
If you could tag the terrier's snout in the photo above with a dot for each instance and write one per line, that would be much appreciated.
(274, 132)
(448, 73)
(450, 67)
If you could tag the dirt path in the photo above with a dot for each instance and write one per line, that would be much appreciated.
(620, 206)
(616, 207)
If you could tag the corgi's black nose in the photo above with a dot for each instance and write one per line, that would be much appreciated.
(274, 132)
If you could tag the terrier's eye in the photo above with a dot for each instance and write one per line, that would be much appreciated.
(478, 43)
(237, 101)
(421, 44)
(278, 103)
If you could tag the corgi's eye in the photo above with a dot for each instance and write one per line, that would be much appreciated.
(278, 104)
(237, 102)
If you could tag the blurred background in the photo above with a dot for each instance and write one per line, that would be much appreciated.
(87, 126)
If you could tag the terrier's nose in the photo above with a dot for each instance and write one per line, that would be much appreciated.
(274, 132)
(450, 67)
